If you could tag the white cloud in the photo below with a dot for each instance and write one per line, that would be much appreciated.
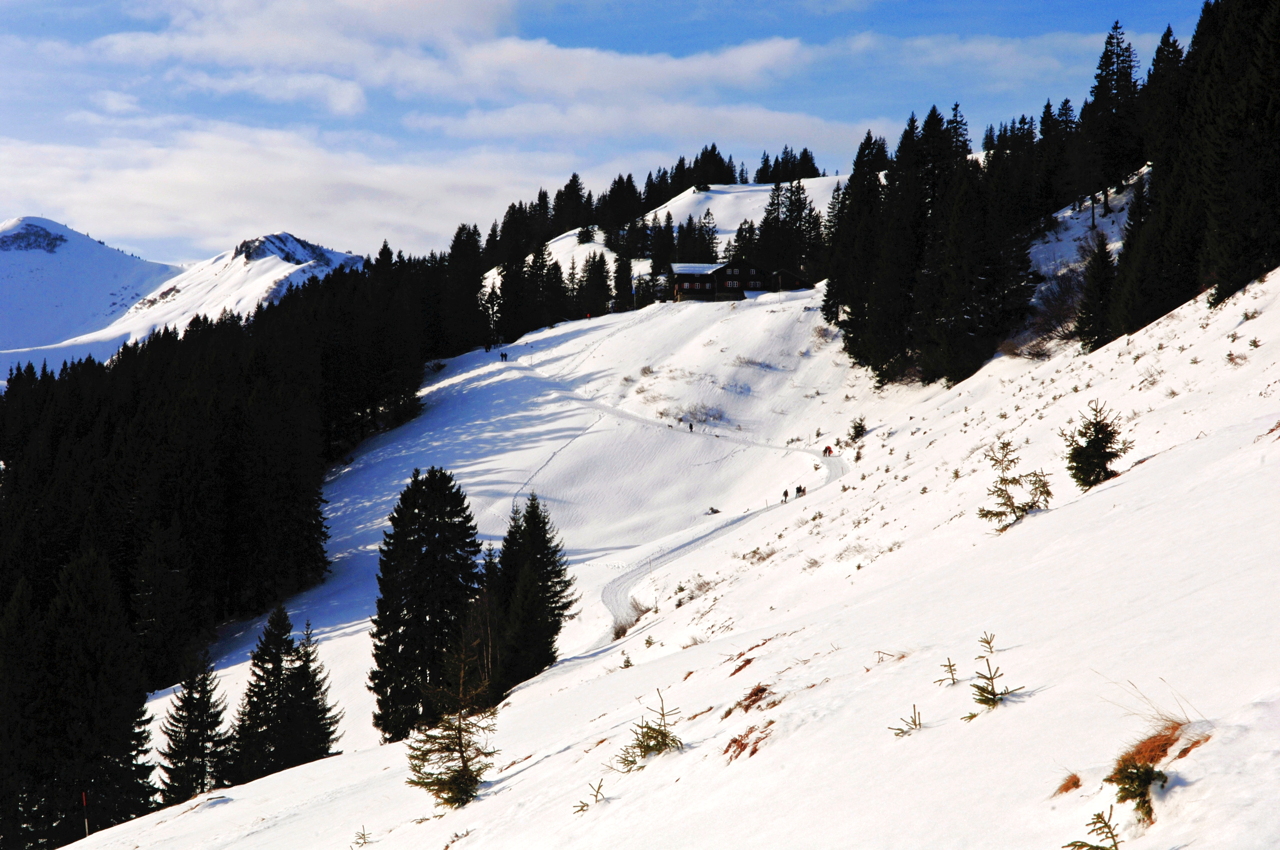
(219, 183)
(341, 97)
(116, 103)
(687, 123)
(990, 62)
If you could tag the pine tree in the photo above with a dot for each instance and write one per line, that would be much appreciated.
(427, 577)
(90, 712)
(1094, 446)
(197, 756)
(623, 289)
(261, 724)
(311, 719)
(594, 297)
(535, 574)
(1095, 300)
(1111, 123)
(161, 602)
(449, 759)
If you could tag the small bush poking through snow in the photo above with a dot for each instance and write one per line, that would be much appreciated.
(1036, 483)
(909, 724)
(623, 624)
(649, 739)
(1100, 827)
(1135, 770)
(1094, 446)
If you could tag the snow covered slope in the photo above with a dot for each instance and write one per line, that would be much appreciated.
(238, 280)
(792, 636)
(56, 283)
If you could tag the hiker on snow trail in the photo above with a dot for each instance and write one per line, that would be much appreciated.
(785, 494)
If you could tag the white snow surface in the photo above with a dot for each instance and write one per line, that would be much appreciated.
(57, 305)
(56, 283)
(1151, 596)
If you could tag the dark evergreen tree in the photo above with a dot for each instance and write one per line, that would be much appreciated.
(537, 592)
(162, 605)
(311, 719)
(449, 759)
(1110, 123)
(197, 757)
(88, 712)
(595, 295)
(853, 241)
(427, 578)
(623, 289)
(1092, 325)
(1094, 446)
(261, 725)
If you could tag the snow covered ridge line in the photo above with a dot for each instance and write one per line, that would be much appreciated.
(66, 296)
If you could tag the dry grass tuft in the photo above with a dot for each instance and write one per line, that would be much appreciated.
(1155, 747)
(1071, 783)
(748, 742)
(623, 625)
(753, 698)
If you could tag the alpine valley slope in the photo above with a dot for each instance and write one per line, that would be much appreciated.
(792, 636)
(66, 295)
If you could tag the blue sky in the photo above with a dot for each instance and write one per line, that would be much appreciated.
(175, 128)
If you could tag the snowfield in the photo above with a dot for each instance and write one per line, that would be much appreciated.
(791, 637)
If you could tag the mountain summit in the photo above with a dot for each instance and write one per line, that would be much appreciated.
(67, 295)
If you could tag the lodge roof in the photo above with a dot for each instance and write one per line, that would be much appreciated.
(695, 268)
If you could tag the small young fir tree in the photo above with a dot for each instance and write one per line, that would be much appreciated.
(1094, 446)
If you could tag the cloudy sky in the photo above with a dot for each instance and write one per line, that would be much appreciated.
(175, 128)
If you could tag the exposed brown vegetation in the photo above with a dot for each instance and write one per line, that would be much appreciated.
(748, 742)
(1071, 783)
(740, 667)
(753, 698)
(1153, 748)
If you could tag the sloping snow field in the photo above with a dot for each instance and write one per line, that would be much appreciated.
(1151, 597)
(56, 283)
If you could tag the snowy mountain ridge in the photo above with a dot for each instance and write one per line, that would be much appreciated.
(795, 637)
(54, 285)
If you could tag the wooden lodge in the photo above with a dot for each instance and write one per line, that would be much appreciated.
(729, 281)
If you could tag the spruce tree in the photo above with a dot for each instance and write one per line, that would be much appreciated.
(91, 711)
(1095, 299)
(540, 588)
(197, 756)
(262, 719)
(449, 759)
(427, 577)
(311, 719)
(1094, 446)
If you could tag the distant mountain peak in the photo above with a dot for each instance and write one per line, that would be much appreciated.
(286, 246)
(31, 237)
